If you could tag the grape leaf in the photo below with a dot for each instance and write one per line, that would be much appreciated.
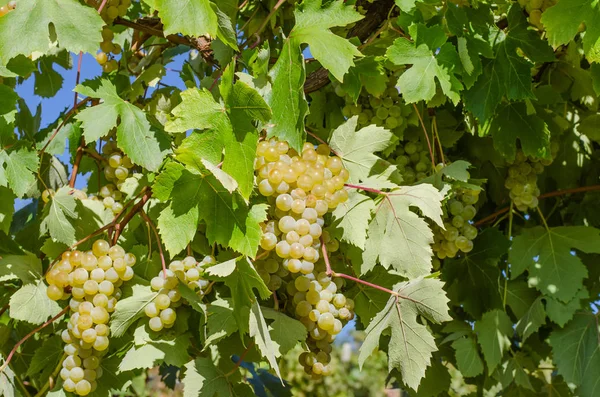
(143, 144)
(561, 313)
(370, 301)
(75, 26)
(8, 99)
(191, 18)
(285, 331)
(576, 349)
(57, 212)
(242, 282)
(259, 330)
(411, 343)
(313, 22)
(511, 123)
(171, 352)
(130, 309)
(203, 379)
(520, 297)
(546, 254)
(47, 80)
(17, 169)
(400, 238)
(221, 321)
(513, 371)
(562, 22)
(223, 269)
(287, 98)
(493, 331)
(27, 268)
(357, 148)
(352, 217)
(472, 279)
(6, 208)
(30, 303)
(419, 82)
(467, 357)
(46, 358)
(532, 320)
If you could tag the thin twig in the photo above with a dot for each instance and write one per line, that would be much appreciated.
(366, 189)
(4, 308)
(29, 335)
(62, 124)
(78, 158)
(78, 75)
(239, 362)
(136, 208)
(265, 22)
(490, 218)
(426, 135)
(160, 250)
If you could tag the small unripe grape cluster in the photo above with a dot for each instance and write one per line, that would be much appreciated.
(388, 110)
(522, 179)
(317, 302)
(118, 164)
(111, 198)
(91, 279)
(8, 8)
(535, 8)
(413, 161)
(303, 188)
(112, 9)
(459, 232)
(161, 311)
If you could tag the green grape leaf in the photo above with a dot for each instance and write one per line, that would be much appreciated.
(198, 109)
(221, 321)
(511, 123)
(468, 360)
(8, 99)
(191, 297)
(546, 254)
(400, 238)
(47, 80)
(576, 349)
(561, 313)
(76, 27)
(419, 82)
(352, 217)
(286, 332)
(30, 303)
(18, 168)
(287, 100)
(171, 352)
(6, 208)
(203, 379)
(520, 297)
(480, 290)
(562, 22)
(177, 231)
(357, 148)
(493, 331)
(46, 358)
(370, 301)
(138, 140)
(8, 386)
(259, 330)
(313, 22)
(58, 215)
(223, 269)
(197, 147)
(513, 371)
(130, 309)
(27, 268)
(532, 320)
(411, 344)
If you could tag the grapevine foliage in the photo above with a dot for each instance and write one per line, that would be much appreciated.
(425, 172)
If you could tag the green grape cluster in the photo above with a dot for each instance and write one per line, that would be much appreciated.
(303, 188)
(535, 8)
(118, 165)
(522, 179)
(388, 110)
(111, 197)
(458, 233)
(161, 311)
(91, 280)
(412, 159)
(112, 9)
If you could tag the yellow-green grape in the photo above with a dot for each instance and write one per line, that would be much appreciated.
(101, 58)
(93, 297)
(47, 194)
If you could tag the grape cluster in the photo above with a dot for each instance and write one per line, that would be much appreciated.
(91, 279)
(318, 304)
(458, 233)
(535, 8)
(387, 111)
(189, 271)
(112, 9)
(412, 159)
(303, 187)
(8, 8)
(522, 179)
(118, 164)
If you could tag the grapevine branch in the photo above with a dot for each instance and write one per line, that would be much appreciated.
(29, 335)
(239, 362)
(135, 209)
(62, 124)
(426, 135)
(490, 218)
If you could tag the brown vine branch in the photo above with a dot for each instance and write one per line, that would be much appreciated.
(62, 124)
(160, 250)
(29, 335)
(492, 217)
(239, 362)
(78, 158)
(135, 209)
